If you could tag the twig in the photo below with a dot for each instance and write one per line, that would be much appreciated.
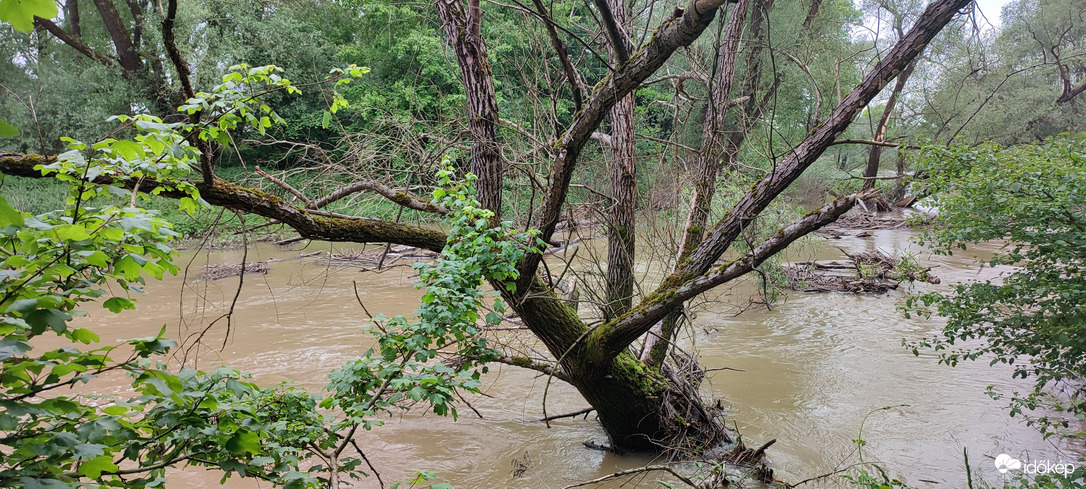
(285, 186)
(374, 470)
(567, 415)
(723, 368)
(638, 470)
(476, 411)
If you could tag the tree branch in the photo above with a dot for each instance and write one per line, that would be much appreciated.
(689, 279)
(789, 169)
(560, 48)
(401, 198)
(677, 31)
(616, 33)
(129, 59)
(890, 144)
(614, 339)
(1069, 93)
(307, 222)
(169, 40)
(528, 363)
(72, 41)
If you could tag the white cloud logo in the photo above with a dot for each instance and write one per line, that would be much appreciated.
(1005, 462)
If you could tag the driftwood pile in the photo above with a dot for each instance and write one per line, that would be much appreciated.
(871, 272)
(221, 271)
(863, 223)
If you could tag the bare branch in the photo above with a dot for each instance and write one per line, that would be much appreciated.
(528, 363)
(560, 47)
(633, 471)
(285, 186)
(401, 198)
(677, 31)
(890, 144)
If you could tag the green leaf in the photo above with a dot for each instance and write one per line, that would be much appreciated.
(85, 336)
(98, 259)
(242, 442)
(115, 410)
(187, 205)
(8, 215)
(88, 451)
(7, 130)
(36, 483)
(94, 467)
(52, 318)
(118, 304)
(21, 13)
(128, 150)
(72, 232)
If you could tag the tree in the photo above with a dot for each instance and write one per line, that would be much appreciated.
(898, 14)
(53, 263)
(1032, 318)
(1017, 85)
(641, 405)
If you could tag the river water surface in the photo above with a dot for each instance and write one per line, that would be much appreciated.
(805, 372)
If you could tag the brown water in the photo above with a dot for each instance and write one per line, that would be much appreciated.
(812, 368)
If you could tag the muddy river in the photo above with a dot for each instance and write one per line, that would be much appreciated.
(805, 372)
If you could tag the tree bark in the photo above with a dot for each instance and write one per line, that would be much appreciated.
(126, 52)
(811, 14)
(72, 41)
(464, 33)
(71, 14)
(622, 170)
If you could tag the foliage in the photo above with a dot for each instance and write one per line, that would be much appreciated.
(21, 13)
(1032, 318)
(1005, 85)
(57, 261)
(448, 317)
(7, 130)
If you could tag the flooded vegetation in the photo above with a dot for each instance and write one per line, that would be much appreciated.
(542, 244)
(805, 371)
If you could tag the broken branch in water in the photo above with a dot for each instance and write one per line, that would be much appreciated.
(584, 411)
(638, 470)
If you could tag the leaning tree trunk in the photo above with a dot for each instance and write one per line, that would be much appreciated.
(638, 407)
(875, 154)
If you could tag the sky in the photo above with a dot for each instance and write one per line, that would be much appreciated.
(991, 9)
